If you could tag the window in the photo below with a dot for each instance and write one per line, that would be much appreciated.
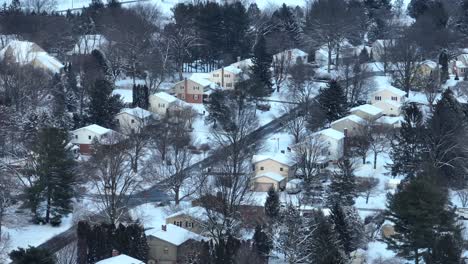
(227, 75)
(166, 250)
(281, 169)
(89, 137)
(195, 96)
(378, 98)
(394, 98)
(76, 136)
(133, 121)
(261, 168)
(196, 88)
(215, 75)
(182, 87)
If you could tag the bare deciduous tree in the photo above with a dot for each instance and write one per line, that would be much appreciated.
(39, 6)
(463, 197)
(367, 187)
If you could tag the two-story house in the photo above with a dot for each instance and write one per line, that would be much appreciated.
(271, 170)
(389, 99)
(163, 103)
(192, 90)
(226, 77)
(333, 144)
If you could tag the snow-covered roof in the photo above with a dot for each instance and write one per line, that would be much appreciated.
(201, 78)
(95, 129)
(166, 97)
(25, 52)
(243, 63)
(354, 118)
(174, 234)
(278, 157)
(272, 175)
(332, 133)
(430, 63)
(383, 42)
(125, 94)
(232, 69)
(136, 112)
(391, 89)
(390, 102)
(87, 43)
(389, 120)
(368, 109)
(120, 259)
(196, 212)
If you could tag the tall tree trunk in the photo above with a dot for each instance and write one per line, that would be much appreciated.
(375, 160)
(176, 194)
(47, 216)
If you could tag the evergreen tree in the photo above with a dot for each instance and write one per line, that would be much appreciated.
(262, 242)
(408, 144)
(54, 186)
(286, 25)
(260, 70)
(32, 255)
(446, 249)
(103, 106)
(272, 205)
(348, 227)
(324, 246)
(342, 189)
(443, 61)
(422, 215)
(333, 101)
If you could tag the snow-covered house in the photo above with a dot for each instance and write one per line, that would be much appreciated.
(350, 125)
(381, 47)
(170, 243)
(84, 137)
(163, 103)
(29, 53)
(460, 65)
(126, 96)
(271, 170)
(333, 147)
(87, 43)
(390, 99)
(243, 65)
(120, 259)
(291, 56)
(192, 90)
(426, 68)
(132, 120)
(367, 112)
(192, 219)
(226, 77)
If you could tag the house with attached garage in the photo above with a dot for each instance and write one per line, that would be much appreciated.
(163, 103)
(84, 137)
(389, 99)
(192, 90)
(271, 170)
(132, 120)
(170, 244)
(367, 112)
(192, 219)
(349, 125)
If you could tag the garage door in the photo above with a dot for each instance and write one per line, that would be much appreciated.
(262, 187)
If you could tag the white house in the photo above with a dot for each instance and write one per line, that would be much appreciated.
(333, 143)
(291, 56)
(132, 120)
(120, 259)
(389, 99)
(367, 112)
(87, 43)
(350, 125)
(29, 53)
(84, 137)
(162, 103)
(460, 65)
(226, 77)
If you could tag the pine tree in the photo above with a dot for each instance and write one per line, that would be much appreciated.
(324, 246)
(260, 70)
(32, 255)
(262, 242)
(333, 101)
(447, 248)
(408, 144)
(443, 61)
(103, 106)
(54, 186)
(421, 214)
(348, 227)
(272, 205)
(342, 189)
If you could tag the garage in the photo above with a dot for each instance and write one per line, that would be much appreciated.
(262, 186)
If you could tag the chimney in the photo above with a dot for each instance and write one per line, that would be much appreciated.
(289, 54)
(345, 142)
(222, 77)
(164, 228)
(185, 87)
(238, 58)
(115, 252)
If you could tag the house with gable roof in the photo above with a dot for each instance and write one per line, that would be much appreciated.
(170, 244)
(271, 170)
(192, 219)
(163, 103)
(194, 88)
(85, 136)
(226, 77)
(389, 99)
(349, 125)
(132, 120)
(367, 112)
